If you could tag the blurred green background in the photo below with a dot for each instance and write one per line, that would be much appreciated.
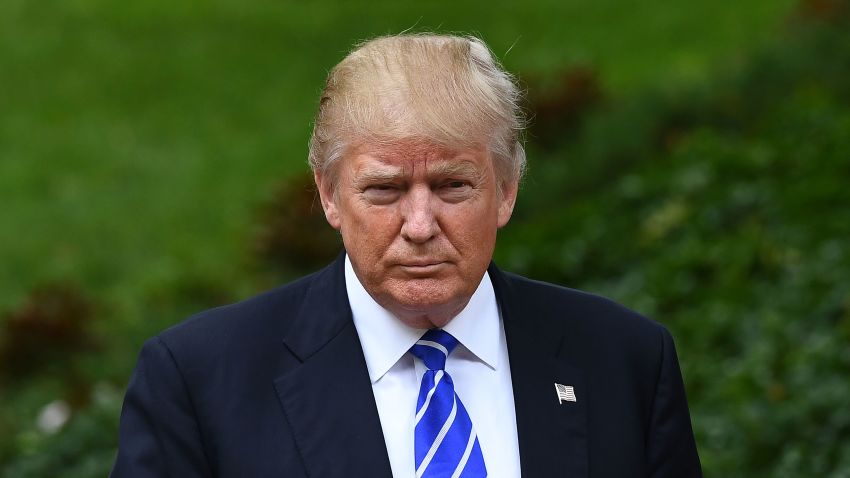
(688, 159)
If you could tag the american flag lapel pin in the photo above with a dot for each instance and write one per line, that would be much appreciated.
(566, 393)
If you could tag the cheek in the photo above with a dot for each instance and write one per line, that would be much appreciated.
(470, 226)
(374, 223)
(368, 231)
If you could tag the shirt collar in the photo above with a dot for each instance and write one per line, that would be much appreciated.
(385, 339)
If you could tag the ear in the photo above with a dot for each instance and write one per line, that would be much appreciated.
(507, 201)
(326, 195)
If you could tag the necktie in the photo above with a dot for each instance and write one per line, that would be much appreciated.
(444, 439)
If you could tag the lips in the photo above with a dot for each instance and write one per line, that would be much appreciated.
(422, 268)
(421, 263)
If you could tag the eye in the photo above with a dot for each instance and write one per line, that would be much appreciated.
(455, 190)
(455, 184)
(381, 193)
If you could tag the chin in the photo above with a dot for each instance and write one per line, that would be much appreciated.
(424, 294)
(426, 303)
(424, 322)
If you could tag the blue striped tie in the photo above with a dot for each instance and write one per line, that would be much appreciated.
(445, 441)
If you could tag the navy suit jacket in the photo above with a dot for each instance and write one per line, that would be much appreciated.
(277, 386)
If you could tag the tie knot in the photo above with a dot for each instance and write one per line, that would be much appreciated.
(433, 348)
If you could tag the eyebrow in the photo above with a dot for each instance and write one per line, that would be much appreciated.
(454, 169)
(379, 175)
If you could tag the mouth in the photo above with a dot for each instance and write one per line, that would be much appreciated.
(421, 263)
(422, 267)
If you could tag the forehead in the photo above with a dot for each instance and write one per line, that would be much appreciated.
(411, 156)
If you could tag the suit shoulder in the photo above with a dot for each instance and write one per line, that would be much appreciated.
(593, 331)
(580, 310)
(265, 316)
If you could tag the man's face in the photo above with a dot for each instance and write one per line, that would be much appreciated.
(419, 224)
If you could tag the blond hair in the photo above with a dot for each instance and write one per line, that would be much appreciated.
(442, 88)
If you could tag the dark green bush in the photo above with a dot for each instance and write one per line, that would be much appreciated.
(84, 448)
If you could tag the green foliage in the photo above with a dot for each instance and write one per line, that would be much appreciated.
(724, 213)
(85, 448)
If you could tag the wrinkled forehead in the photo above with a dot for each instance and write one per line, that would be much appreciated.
(407, 157)
(418, 149)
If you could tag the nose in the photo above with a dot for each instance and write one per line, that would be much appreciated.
(420, 223)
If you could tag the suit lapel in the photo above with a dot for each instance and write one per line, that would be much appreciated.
(552, 436)
(328, 399)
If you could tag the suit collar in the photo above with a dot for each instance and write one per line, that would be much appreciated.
(323, 314)
(552, 436)
(327, 399)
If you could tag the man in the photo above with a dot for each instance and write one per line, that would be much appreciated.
(412, 354)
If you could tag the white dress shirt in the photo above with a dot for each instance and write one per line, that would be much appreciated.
(478, 366)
